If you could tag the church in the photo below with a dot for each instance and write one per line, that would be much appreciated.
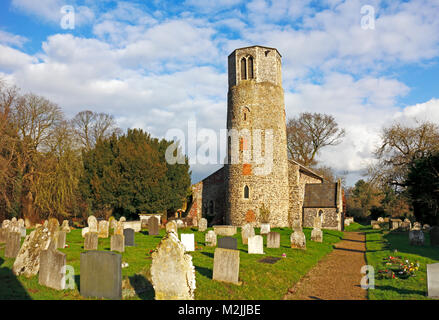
(257, 172)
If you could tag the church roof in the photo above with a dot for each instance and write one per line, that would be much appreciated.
(255, 47)
(320, 195)
(306, 169)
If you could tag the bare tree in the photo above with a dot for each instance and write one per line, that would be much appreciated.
(308, 133)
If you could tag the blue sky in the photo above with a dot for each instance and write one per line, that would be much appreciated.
(158, 64)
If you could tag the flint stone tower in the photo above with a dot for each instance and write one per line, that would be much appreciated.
(255, 107)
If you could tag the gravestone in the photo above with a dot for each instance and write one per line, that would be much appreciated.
(13, 241)
(122, 219)
(3, 234)
(101, 275)
(273, 240)
(91, 241)
(5, 224)
(171, 226)
(210, 238)
(23, 232)
(65, 226)
(61, 241)
(395, 224)
(119, 228)
(202, 225)
(226, 265)
(153, 226)
(103, 229)
(247, 231)
(256, 245)
(172, 270)
(434, 236)
(417, 226)
(128, 234)
(406, 225)
(265, 228)
(92, 224)
(188, 241)
(416, 238)
(13, 225)
(84, 231)
(52, 269)
(298, 240)
(27, 262)
(228, 243)
(118, 243)
(225, 230)
(433, 280)
(112, 222)
(180, 223)
(53, 226)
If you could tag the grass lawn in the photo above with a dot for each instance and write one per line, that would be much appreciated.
(382, 244)
(260, 281)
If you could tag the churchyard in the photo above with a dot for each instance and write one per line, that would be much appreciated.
(267, 279)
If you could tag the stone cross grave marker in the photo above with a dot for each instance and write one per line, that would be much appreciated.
(247, 231)
(228, 243)
(91, 241)
(52, 269)
(172, 270)
(433, 280)
(210, 238)
(153, 226)
(256, 245)
(129, 237)
(273, 240)
(117, 243)
(226, 265)
(188, 241)
(101, 275)
(202, 225)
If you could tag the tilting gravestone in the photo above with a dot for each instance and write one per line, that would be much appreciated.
(101, 275)
(226, 265)
(188, 241)
(247, 231)
(91, 241)
(171, 226)
(434, 236)
(27, 262)
(210, 238)
(153, 226)
(273, 240)
(172, 271)
(433, 280)
(52, 269)
(117, 243)
(256, 245)
(61, 241)
(228, 243)
(13, 240)
(128, 235)
(103, 229)
(416, 238)
(202, 224)
(92, 224)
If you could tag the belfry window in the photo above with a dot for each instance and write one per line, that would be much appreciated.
(246, 192)
(243, 69)
(250, 67)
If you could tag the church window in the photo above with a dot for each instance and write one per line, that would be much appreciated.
(246, 192)
(243, 69)
(250, 67)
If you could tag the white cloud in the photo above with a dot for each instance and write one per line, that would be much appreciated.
(7, 38)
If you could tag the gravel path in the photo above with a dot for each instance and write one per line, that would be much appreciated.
(337, 276)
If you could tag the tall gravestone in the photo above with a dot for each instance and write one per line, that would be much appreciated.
(101, 275)
(128, 235)
(256, 245)
(228, 243)
(103, 229)
(273, 240)
(12, 247)
(172, 270)
(202, 224)
(226, 265)
(52, 269)
(91, 241)
(210, 238)
(153, 226)
(247, 231)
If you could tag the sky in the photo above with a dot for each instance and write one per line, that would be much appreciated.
(157, 65)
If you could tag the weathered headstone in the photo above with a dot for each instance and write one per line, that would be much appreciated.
(434, 236)
(112, 222)
(118, 243)
(13, 225)
(228, 243)
(226, 265)
(5, 224)
(210, 238)
(247, 231)
(122, 219)
(273, 240)
(52, 269)
(256, 245)
(202, 224)
(53, 226)
(172, 271)
(188, 241)
(416, 237)
(101, 275)
(225, 230)
(91, 241)
(265, 228)
(433, 280)
(13, 241)
(317, 235)
(103, 229)
(395, 224)
(129, 237)
(27, 262)
(84, 231)
(92, 224)
(61, 241)
(153, 226)
(119, 228)
(3, 234)
(171, 226)
(65, 226)
(298, 240)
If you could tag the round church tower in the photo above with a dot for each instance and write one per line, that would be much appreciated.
(257, 166)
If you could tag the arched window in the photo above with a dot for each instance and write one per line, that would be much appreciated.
(245, 114)
(250, 67)
(243, 69)
(246, 192)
